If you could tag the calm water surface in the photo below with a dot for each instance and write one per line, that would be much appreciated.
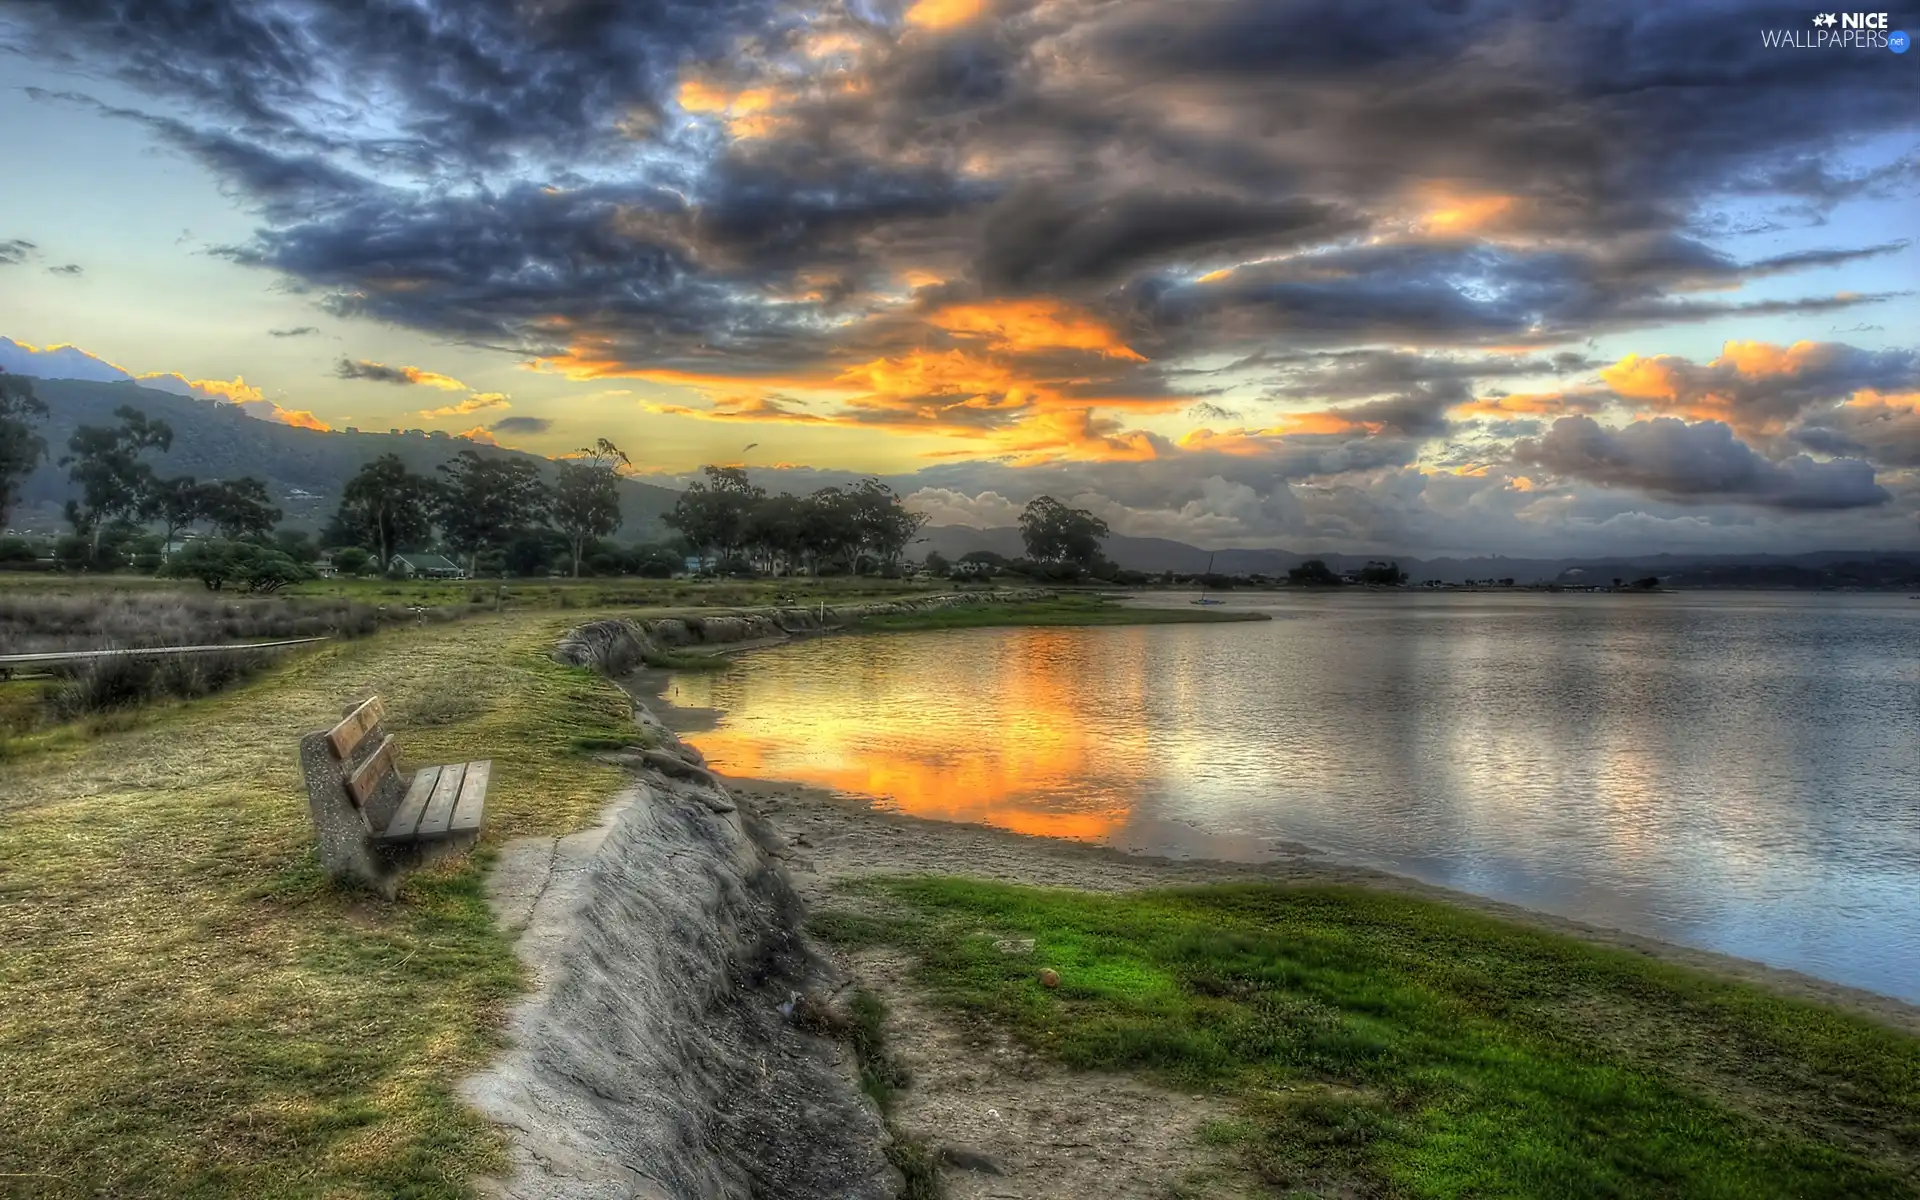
(1739, 772)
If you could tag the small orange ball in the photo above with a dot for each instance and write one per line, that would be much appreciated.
(1049, 978)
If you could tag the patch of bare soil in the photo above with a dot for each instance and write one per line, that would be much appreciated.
(1008, 1125)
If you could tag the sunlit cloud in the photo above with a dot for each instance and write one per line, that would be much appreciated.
(299, 418)
(1026, 326)
(349, 368)
(478, 402)
(944, 14)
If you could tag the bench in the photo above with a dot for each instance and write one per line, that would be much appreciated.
(370, 820)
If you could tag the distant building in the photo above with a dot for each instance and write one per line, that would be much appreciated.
(425, 566)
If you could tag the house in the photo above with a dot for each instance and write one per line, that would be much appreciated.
(425, 566)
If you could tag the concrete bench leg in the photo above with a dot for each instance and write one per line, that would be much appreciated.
(347, 848)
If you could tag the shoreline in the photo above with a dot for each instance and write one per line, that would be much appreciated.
(832, 838)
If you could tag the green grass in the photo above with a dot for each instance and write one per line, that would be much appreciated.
(189, 1009)
(1068, 609)
(1380, 1046)
(562, 594)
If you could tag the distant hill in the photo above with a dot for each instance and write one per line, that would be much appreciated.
(213, 440)
(1825, 568)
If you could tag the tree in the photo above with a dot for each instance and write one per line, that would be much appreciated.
(105, 462)
(240, 508)
(1388, 573)
(21, 449)
(712, 514)
(485, 501)
(298, 545)
(586, 501)
(386, 507)
(936, 564)
(249, 565)
(178, 504)
(884, 525)
(351, 560)
(775, 530)
(1054, 533)
(656, 561)
(1312, 573)
(532, 551)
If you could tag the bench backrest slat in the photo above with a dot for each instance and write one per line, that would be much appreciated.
(365, 779)
(354, 726)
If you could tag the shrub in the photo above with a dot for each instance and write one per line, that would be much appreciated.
(248, 565)
(120, 682)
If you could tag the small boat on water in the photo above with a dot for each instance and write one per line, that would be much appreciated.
(1204, 598)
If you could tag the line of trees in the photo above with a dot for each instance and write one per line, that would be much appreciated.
(495, 514)
(727, 518)
(121, 493)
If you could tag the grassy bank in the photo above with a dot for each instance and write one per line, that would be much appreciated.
(1376, 1046)
(1067, 609)
(190, 1009)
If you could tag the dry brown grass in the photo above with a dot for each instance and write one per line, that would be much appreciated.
(191, 1009)
(97, 619)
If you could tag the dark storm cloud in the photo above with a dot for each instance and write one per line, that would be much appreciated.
(15, 251)
(1885, 432)
(1608, 116)
(1047, 237)
(521, 425)
(474, 82)
(1459, 293)
(1355, 374)
(1699, 462)
(280, 182)
(297, 331)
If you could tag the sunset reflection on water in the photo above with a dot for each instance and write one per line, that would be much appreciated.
(1002, 732)
(1735, 772)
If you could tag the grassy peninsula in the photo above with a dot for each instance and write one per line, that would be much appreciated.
(1382, 1046)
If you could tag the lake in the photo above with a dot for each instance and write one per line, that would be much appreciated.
(1734, 771)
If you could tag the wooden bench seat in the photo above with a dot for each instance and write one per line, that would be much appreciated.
(370, 819)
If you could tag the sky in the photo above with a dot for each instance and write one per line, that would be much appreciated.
(1468, 276)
